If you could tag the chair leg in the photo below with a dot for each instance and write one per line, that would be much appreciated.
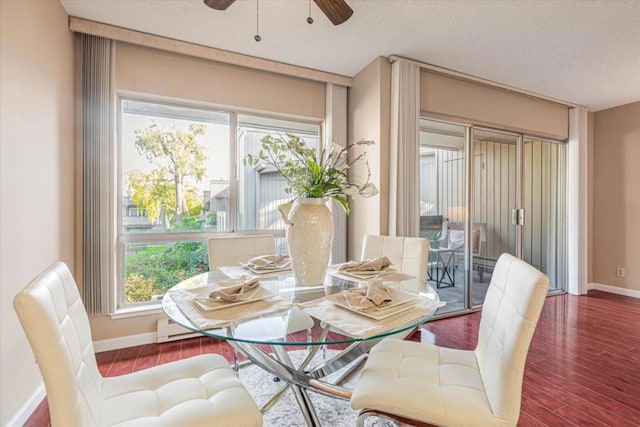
(397, 421)
(238, 364)
(362, 416)
(236, 361)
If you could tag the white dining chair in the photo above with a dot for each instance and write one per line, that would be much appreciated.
(232, 250)
(423, 383)
(198, 391)
(410, 255)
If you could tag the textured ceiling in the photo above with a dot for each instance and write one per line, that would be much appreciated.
(585, 52)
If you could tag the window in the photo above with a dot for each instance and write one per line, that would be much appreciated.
(260, 191)
(176, 190)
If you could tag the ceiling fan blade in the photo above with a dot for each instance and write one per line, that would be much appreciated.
(338, 11)
(219, 4)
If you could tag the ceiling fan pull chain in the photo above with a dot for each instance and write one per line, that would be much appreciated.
(257, 36)
(309, 18)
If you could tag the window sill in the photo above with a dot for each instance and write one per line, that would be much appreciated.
(147, 310)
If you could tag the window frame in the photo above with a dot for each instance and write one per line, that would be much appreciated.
(121, 239)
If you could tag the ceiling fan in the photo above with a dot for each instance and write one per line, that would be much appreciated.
(338, 11)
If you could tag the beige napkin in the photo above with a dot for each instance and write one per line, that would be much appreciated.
(268, 262)
(376, 264)
(230, 290)
(373, 295)
(358, 325)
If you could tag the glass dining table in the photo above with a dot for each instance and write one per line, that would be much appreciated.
(282, 317)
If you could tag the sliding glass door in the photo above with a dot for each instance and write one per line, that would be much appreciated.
(509, 196)
(495, 189)
(443, 208)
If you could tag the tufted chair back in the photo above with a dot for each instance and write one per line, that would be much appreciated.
(231, 250)
(409, 255)
(510, 313)
(56, 324)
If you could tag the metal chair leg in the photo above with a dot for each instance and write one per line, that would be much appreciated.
(399, 422)
(362, 416)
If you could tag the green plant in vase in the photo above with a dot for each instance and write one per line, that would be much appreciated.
(310, 175)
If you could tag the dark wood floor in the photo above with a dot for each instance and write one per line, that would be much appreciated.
(583, 367)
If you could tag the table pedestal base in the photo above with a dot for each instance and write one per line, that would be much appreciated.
(301, 380)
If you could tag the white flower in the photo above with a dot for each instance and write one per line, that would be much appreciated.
(369, 190)
(350, 190)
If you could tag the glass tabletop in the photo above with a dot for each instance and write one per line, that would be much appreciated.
(286, 314)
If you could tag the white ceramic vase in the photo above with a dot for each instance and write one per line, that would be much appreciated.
(310, 238)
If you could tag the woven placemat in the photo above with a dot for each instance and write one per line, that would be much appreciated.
(224, 317)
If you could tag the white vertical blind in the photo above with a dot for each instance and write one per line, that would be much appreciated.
(404, 191)
(97, 187)
(336, 131)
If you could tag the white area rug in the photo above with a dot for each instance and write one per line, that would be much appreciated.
(286, 412)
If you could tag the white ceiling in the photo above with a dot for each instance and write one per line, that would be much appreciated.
(585, 52)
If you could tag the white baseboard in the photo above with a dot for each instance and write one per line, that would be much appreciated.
(123, 342)
(615, 290)
(21, 417)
